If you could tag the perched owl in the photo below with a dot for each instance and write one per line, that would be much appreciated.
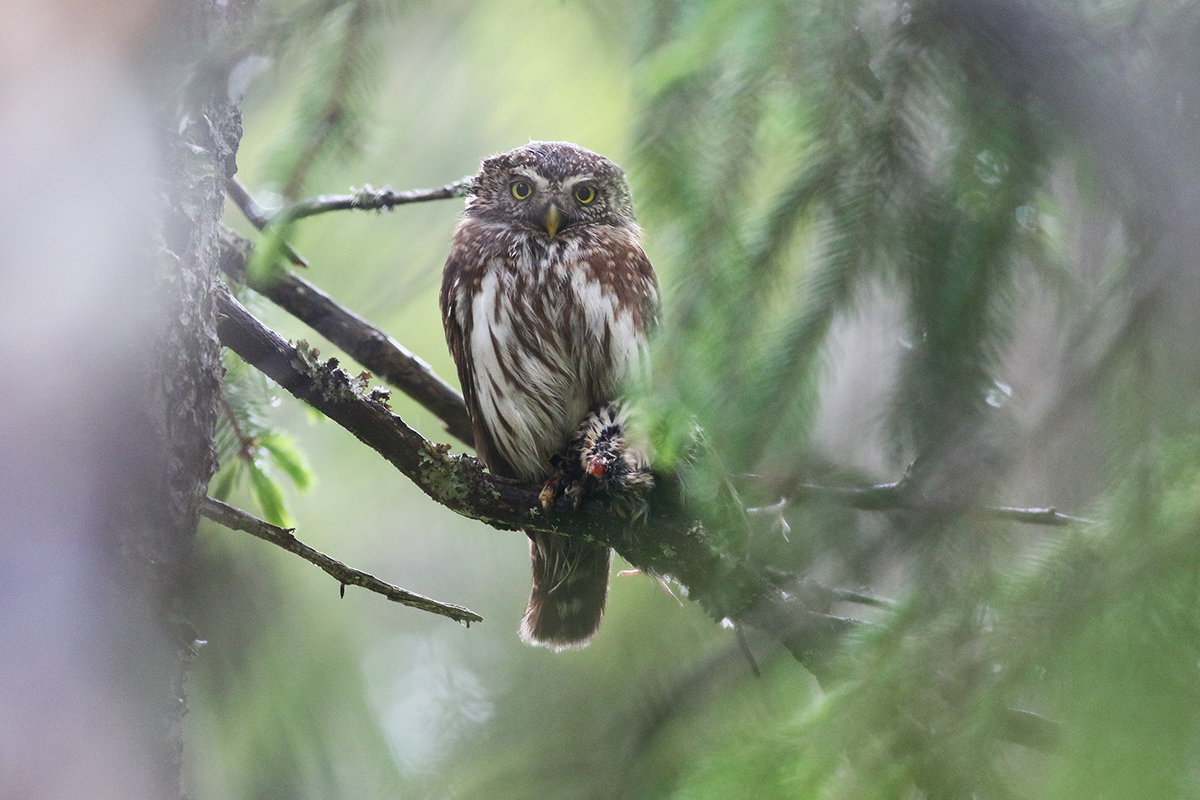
(547, 300)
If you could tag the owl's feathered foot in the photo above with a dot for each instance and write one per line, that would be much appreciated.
(599, 457)
(570, 486)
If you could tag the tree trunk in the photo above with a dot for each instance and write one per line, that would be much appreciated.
(113, 188)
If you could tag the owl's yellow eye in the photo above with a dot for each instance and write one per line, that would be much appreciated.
(521, 190)
(585, 194)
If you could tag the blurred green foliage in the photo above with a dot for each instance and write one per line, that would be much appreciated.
(250, 449)
(953, 240)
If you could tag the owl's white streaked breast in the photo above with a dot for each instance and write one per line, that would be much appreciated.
(535, 379)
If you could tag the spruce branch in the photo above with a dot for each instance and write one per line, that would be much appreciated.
(259, 217)
(334, 119)
(238, 520)
(245, 444)
(369, 198)
(897, 497)
(386, 358)
(367, 344)
(670, 542)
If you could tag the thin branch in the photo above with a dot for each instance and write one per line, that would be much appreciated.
(896, 497)
(369, 198)
(362, 341)
(258, 216)
(863, 599)
(245, 443)
(881, 497)
(335, 113)
(1036, 516)
(238, 520)
(255, 214)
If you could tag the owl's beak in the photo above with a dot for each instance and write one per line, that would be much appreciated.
(553, 218)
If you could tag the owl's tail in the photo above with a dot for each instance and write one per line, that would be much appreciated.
(570, 584)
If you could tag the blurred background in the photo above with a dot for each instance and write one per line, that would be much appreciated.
(949, 240)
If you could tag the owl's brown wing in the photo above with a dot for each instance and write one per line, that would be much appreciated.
(646, 291)
(623, 265)
(455, 301)
(616, 339)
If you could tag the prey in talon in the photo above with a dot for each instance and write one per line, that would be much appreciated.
(599, 457)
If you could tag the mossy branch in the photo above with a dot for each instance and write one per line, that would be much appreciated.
(365, 343)
(671, 541)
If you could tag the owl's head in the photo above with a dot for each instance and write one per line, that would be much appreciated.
(551, 187)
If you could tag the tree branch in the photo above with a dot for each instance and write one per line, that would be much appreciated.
(258, 216)
(896, 497)
(369, 198)
(362, 341)
(456, 481)
(236, 519)
(671, 541)
(386, 358)
(1036, 516)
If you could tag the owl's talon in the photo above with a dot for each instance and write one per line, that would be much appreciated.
(560, 486)
(574, 493)
(548, 493)
(638, 510)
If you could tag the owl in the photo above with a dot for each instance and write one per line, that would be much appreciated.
(547, 300)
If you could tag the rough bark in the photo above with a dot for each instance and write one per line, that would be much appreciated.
(200, 127)
(107, 383)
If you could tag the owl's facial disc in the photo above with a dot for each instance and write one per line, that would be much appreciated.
(551, 202)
